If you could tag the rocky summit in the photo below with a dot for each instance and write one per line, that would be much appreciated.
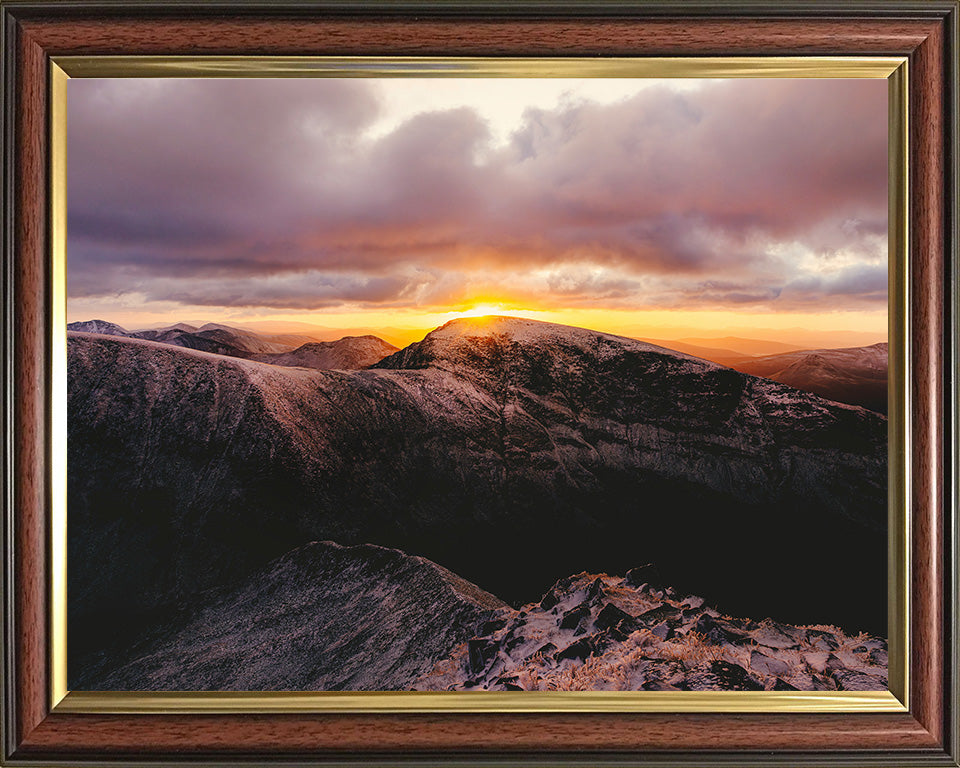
(598, 632)
(507, 450)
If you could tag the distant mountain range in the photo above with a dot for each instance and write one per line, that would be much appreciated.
(725, 349)
(101, 326)
(857, 375)
(509, 451)
(854, 375)
(348, 353)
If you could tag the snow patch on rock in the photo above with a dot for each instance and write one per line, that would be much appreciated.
(599, 632)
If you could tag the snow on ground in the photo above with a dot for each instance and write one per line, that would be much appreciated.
(535, 332)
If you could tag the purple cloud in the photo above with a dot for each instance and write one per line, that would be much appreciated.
(273, 193)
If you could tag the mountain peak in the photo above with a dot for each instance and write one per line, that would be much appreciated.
(348, 353)
(179, 327)
(486, 323)
(492, 340)
(517, 328)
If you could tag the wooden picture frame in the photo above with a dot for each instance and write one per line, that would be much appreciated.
(34, 33)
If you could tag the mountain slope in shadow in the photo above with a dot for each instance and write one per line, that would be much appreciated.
(322, 617)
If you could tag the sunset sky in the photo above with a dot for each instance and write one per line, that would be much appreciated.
(639, 207)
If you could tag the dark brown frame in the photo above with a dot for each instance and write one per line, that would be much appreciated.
(924, 31)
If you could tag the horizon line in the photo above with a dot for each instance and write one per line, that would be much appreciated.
(689, 336)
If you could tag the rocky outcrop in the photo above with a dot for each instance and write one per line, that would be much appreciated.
(322, 617)
(507, 450)
(599, 632)
(351, 353)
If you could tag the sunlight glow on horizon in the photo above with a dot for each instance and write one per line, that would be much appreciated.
(402, 326)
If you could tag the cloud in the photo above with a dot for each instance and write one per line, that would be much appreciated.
(230, 192)
(863, 282)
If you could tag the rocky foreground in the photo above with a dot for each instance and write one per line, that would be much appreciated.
(593, 632)
(325, 617)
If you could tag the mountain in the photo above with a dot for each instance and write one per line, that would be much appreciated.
(251, 341)
(743, 346)
(600, 632)
(98, 326)
(855, 375)
(393, 335)
(713, 354)
(322, 617)
(216, 342)
(507, 450)
(328, 617)
(179, 327)
(220, 340)
(212, 336)
(348, 353)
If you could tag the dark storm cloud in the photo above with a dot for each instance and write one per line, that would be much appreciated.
(229, 193)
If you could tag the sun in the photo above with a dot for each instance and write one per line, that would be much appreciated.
(479, 310)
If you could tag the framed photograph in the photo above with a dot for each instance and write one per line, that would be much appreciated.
(463, 383)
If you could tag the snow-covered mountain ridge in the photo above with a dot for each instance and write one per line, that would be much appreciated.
(468, 340)
(98, 326)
